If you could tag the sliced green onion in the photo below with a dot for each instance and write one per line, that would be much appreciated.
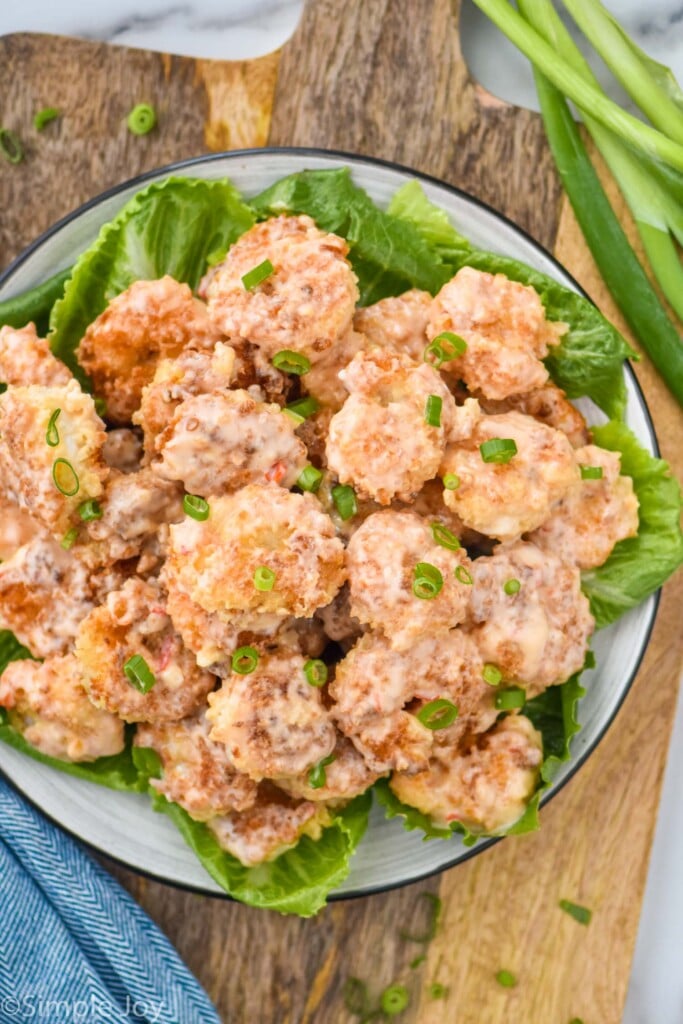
(310, 479)
(506, 978)
(344, 498)
(463, 575)
(437, 990)
(581, 914)
(451, 481)
(356, 997)
(44, 116)
(427, 581)
(416, 961)
(315, 671)
(244, 660)
(65, 478)
(433, 410)
(512, 587)
(89, 510)
(139, 674)
(10, 146)
(435, 907)
(264, 578)
(491, 674)
(317, 777)
(100, 406)
(3, 387)
(196, 507)
(69, 538)
(256, 276)
(444, 537)
(498, 449)
(216, 256)
(438, 714)
(303, 408)
(291, 362)
(394, 1000)
(52, 434)
(591, 472)
(443, 348)
(141, 119)
(510, 698)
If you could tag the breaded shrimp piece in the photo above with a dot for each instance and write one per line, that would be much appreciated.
(259, 526)
(585, 526)
(134, 621)
(304, 305)
(16, 528)
(398, 323)
(378, 693)
(346, 776)
(26, 359)
(256, 374)
(323, 380)
(548, 405)
(48, 705)
(380, 441)
(148, 321)
(197, 773)
(135, 507)
(271, 826)
(382, 559)
(504, 500)
(74, 462)
(505, 328)
(122, 450)
(486, 787)
(220, 442)
(538, 636)
(272, 721)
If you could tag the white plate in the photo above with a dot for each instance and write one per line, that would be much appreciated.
(123, 825)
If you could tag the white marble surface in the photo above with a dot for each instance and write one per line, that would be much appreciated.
(232, 29)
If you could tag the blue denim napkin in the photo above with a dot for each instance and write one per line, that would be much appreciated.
(75, 948)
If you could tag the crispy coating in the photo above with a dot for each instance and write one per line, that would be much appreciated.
(16, 528)
(323, 380)
(26, 359)
(548, 405)
(255, 373)
(272, 721)
(24, 419)
(304, 305)
(398, 323)
(197, 773)
(48, 705)
(221, 442)
(381, 562)
(506, 500)
(539, 636)
(379, 691)
(122, 450)
(338, 622)
(504, 325)
(584, 527)
(134, 621)
(148, 321)
(345, 777)
(486, 787)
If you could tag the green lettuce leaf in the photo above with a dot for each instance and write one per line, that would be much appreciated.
(11, 649)
(640, 565)
(171, 227)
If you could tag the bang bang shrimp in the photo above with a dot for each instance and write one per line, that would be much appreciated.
(26, 359)
(548, 405)
(398, 323)
(343, 776)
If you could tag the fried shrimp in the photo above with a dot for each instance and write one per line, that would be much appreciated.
(121, 348)
(16, 528)
(504, 500)
(386, 559)
(197, 773)
(538, 635)
(485, 787)
(122, 450)
(258, 529)
(585, 526)
(52, 442)
(341, 779)
(323, 381)
(221, 442)
(134, 622)
(548, 405)
(26, 359)
(272, 721)
(381, 441)
(380, 695)
(304, 305)
(135, 507)
(504, 326)
(398, 323)
(48, 705)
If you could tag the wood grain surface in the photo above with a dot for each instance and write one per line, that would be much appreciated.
(380, 77)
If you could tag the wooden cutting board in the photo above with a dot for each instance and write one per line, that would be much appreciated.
(387, 79)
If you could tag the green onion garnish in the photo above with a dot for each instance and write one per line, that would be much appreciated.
(344, 498)
(216, 256)
(434, 917)
(433, 410)
(498, 449)
(315, 671)
(581, 914)
(303, 408)
(291, 362)
(463, 575)
(69, 538)
(317, 777)
(141, 119)
(591, 472)
(89, 510)
(65, 478)
(356, 997)
(43, 117)
(491, 674)
(139, 674)
(255, 277)
(10, 146)
(427, 581)
(3, 387)
(100, 406)
(444, 537)
(309, 479)
(451, 481)
(512, 586)
(244, 660)
(394, 1000)
(52, 434)
(196, 507)
(506, 978)
(437, 990)
(438, 714)
(416, 961)
(510, 698)
(264, 578)
(443, 347)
